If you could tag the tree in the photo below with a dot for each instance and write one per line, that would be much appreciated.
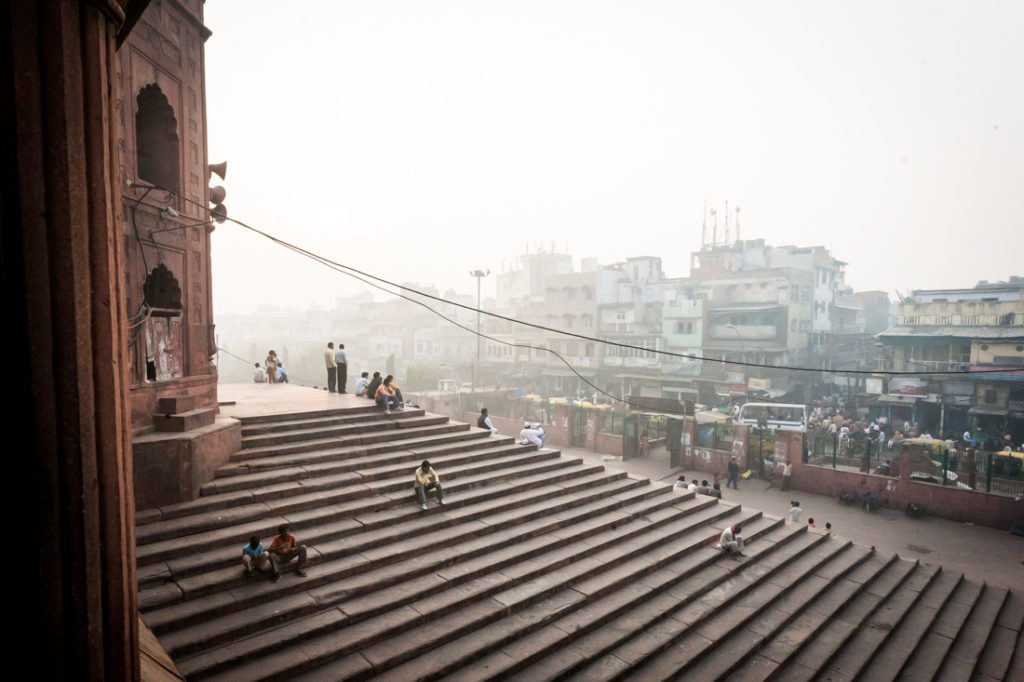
(389, 366)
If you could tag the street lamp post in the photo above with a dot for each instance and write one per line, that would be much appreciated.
(479, 274)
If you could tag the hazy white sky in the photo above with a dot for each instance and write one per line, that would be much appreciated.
(418, 140)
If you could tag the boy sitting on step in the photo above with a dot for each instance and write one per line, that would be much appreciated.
(254, 558)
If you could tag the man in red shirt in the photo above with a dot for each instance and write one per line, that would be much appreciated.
(283, 549)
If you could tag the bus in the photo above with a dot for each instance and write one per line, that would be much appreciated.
(788, 417)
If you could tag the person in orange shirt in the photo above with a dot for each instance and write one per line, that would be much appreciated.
(385, 395)
(283, 549)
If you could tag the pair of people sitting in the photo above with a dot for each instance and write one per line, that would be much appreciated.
(383, 390)
(282, 551)
(532, 434)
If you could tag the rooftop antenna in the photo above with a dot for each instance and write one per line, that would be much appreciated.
(738, 240)
(726, 238)
(714, 228)
(704, 226)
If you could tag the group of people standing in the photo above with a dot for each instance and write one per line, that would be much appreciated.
(337, 367)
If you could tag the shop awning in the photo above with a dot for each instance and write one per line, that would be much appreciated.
(898, 399)
(989, 411)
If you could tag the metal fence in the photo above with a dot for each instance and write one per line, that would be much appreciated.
(715, 436)
(992, 472)
(848, 453)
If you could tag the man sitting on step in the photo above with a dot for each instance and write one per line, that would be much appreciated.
(731, 543)
(254, 558)
(283, 549)
(427, 479)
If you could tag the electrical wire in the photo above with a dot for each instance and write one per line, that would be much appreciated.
(360, 275)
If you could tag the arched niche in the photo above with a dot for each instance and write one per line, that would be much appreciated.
(156, 139)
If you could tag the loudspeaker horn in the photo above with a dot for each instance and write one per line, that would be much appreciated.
(219, 213)
(217, 194)
(221, 169)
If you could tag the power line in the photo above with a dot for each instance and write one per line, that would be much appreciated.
(353, 272)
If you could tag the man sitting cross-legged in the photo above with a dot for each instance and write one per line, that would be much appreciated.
(283, 549)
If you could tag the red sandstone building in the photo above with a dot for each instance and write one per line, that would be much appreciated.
(107, 300)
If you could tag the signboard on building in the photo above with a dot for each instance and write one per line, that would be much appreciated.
(958, 388)
(759, 384)
(874, 386)
(907, 386)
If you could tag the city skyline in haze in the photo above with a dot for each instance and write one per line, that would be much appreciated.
(418, 142)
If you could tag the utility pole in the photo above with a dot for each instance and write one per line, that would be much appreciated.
(479, 274)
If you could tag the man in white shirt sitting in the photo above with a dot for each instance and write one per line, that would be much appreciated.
(260, 376)
(364, 381)
(731, 543)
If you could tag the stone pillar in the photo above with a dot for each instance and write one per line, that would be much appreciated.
(65, 336)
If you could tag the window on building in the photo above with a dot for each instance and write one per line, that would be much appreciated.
(792, 325)
(156, 139)
(990, 397)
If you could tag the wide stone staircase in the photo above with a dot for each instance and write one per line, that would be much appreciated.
(540, 567)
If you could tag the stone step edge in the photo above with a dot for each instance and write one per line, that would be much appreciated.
(484, 506)
(313, 496)
(490, 484)
(189, 667)
(370, 438)
(422, 568)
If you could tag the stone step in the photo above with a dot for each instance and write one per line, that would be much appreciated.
(333, 448)
(888, 661)
(364, 466)
(618, 491)
(963, 656)
(873, 634)
(339, 521)
(715, 623)
(778, 649)
(768, 608)
(644, 652)
(402, 633)
(175, 404)
(997, 657)
(578, 601)
(925, 660)
(329, 491)
(362, 409)
(504, 648)
(359, 595)
(321, 432)
(818, 653)
(474, 503)
(185, 421)
(328, 420)
(284, 498)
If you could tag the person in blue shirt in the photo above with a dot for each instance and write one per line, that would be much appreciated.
(254, 558)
